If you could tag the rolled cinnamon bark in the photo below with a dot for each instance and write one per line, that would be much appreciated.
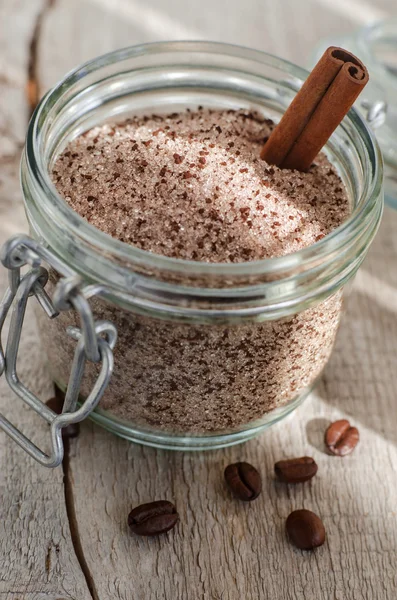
(316, 111)
(337, 101)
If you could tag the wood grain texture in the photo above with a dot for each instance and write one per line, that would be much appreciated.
(37, 558)
(221, 549)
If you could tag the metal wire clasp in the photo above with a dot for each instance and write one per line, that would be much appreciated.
(95, 340)
(375, 112)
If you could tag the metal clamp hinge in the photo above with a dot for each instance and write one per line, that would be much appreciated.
(375, 112)
(95, 340)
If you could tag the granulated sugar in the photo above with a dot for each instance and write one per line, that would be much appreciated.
(192, 186)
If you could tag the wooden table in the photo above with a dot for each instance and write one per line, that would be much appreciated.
(63, 532)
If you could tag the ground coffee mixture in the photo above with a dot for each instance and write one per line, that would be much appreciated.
(191, 185)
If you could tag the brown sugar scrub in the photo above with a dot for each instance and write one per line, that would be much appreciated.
(192, 186)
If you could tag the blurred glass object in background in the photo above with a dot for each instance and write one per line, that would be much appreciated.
(376, 46)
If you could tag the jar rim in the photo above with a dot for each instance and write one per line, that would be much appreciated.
(66, 216)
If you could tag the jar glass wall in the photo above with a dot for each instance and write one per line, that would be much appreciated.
(208, 354)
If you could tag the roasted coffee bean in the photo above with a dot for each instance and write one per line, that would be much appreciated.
(244, 481)
(296, 470)
(305, 529)
(341, 438)
(70, 431)
(153, 518)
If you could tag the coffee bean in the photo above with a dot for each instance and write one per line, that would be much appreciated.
(244, 481)
(153, 518)
(70, 431)
(341, 438)
(296, 470)
(305, 529)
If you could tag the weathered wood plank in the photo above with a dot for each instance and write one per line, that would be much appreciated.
(37, 558)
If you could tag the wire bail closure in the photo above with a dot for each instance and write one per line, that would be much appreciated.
(95, 340)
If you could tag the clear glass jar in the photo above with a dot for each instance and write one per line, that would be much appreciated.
(208, 354)
(376, 45)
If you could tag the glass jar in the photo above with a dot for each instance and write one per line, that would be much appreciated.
(376, 45)
(208, 354)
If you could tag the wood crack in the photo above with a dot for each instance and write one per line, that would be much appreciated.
(73, 524)
(33, 84)
(48, 560)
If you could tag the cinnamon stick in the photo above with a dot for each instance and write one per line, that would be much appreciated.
(318, 108)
